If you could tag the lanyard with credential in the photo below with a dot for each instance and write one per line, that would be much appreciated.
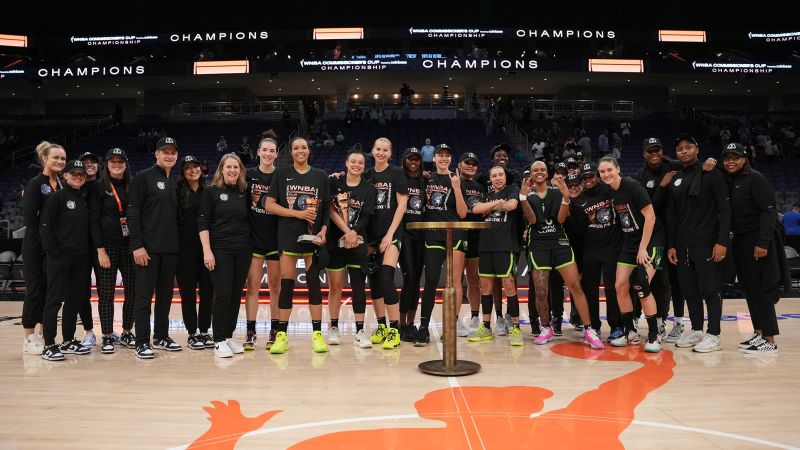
(123, 221)
(53, 186)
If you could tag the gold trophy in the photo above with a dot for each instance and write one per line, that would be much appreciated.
(310, 238)
(343, 207)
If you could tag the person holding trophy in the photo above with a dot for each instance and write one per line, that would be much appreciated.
(298, 195)
(352, 208)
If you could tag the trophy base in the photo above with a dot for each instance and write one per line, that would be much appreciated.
(308, 239)
(341, 242)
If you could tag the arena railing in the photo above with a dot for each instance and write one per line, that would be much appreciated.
(65, 139)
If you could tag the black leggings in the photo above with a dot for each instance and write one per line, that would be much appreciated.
(64, 285)
(412, 262)
(121, 259)
(760, 280)
(660, 288)
(192, 274)
(228, 277)
(34, 268)
(434, 261)
(593, 268)
(359, 288)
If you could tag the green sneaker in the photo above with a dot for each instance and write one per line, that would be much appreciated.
(392, 339)
(481, 334)
(317, 342)
(379, 335)
(281, 344)
(516, 336)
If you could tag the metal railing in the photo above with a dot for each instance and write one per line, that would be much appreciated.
(65, 139)
(576, 106)
(394, 101)
(274, 108)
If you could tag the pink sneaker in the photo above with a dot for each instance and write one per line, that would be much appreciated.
(545, 336)
(590, 338)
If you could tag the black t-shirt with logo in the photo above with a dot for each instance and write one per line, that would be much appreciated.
(360, 204)
(263, 226)
(223, 213)
(547, 233)
(415, 206)
(440, 206)
(628, 201)
(473, 193)
(594, 212)
(388, 184)
(293, 190)
(502, 236)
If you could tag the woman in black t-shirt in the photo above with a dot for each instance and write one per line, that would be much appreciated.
(412, 252)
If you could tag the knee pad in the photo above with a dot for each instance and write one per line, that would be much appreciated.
(486, 303)
(639, 283)
(386, 280)
(287, 292)
(375, 290)
(314, 289)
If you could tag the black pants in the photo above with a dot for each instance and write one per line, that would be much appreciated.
(434, 261)
(593, 268)
(555, 294)
(64, 285)
(34, 268)
(701, 279)
(191, 275)
(412, 262)
(760, 280)
(793, 241)
(157, 277)
(121, 259)
(228, 277)
(675, 288)
(85, 305)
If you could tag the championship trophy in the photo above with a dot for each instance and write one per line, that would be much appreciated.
(343, 207)
(310, 238)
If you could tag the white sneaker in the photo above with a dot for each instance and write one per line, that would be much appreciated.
(662, 328)
(222, 350)
(333, 336)
(710, 343)
(509, 323)
(675, 333)
(653, 346)
(362, 340)
(89, 340)
(234, 346)
(500, 328)
(753, 339)
(631, 338)
(461, 330)
(32, 345)
(690, 339)
(474, 324)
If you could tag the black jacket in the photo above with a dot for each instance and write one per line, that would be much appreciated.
(153, 212)
(752, 206)
(104, 214)
(651, 180)
(37, 191)
(699, 210)
(65, 224)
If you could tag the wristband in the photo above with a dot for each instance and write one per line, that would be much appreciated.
(523, 197)
(565, 203)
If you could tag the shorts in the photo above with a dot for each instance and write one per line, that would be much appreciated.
(460, 245)
(354, 258)
(497, 264)
(269, 255)
(549, 257)
(473, 241)
(628, 252)
(395, 242)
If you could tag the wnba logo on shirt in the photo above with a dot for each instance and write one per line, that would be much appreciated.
(71, 204)
(437, 199)
(678, 181)
(223, 197)
(651, 183)
(161, 185)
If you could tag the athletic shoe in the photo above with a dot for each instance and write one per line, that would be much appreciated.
(516, 337)
(333, 336)
(556, 326)
(509, 323)
(546, 336)
(281, 344)
(407, 333)
(675, 333)
(222, 350)
(116, 338)
(271, 339)
(481, 334)
(108, 345)
(167, 344)
(89, 340)
(208, 341)
(422, 338)
(591, 339)
(753, 339)
(690, 339)
(235, 347)
(52, 353)
(474, 324)
(362, 340)
(461, 330)
(616, 333)
(379, 334)
(392, 339)
(536, 327)
(318, 342)
(128, 339)
(576, 324)
(32, 346)
(662, 328)
(250, 341)
(710, 343)
(631, 338)
(500, 328)
(195, 342)
(653, 345)
(763, 348)
(144, 351)
(74, 347)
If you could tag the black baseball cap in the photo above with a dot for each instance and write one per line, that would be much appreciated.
(412, 151)
(442, 147)
(74, 165)
(735, 148)
(652, 142)
(188, 159)
(573, 179)
(572, 162)
(89, 155)
(561, 165)
(166, 142)
(468, 156)
(579, 154)
(116, 152)
(685, 137)
(502, 146)
(588, 168)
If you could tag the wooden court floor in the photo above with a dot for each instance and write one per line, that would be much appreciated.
(561, 395)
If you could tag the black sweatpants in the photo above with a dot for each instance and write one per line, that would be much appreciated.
(85, 305)
(62, 274)
(158, 278)
(34, 267)
(701, 279)
(593, 268)
(228, 278)
(121, 259)
(675, 288)
(192, 277)
(760, 280)
(412, 261)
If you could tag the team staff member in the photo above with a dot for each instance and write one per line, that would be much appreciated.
(192, 275)
(444, 203)
(473, 193)
(548, 247)
(412, 252)
(153, 225)
(639, 256)
(108, 224)
(299, 195)
(65, 237)
(499, 157)
(91, 163)
(37, 191)
(698, 233)
(499, 247)
(755, 252)
(225, 236)
(264, 238)
(385, 233)
(352, 206)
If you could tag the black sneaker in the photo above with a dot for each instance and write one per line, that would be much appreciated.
(408, 333)
(144, 351)
(536, 327)
(271, 338)
(195, 342)
(422, 338)
(250, 341)
(52, 353)
(74, 347)
(167, 344)
(207, 340)
(556, 323)
(762, 348)
(108, 345)
(128, 339)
